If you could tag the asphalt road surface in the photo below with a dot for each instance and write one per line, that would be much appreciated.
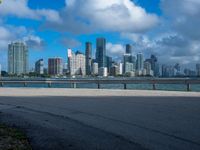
(105, 122)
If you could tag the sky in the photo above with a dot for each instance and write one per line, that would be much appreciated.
(168, 29)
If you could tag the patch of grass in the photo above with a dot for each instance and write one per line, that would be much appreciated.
(13, 139)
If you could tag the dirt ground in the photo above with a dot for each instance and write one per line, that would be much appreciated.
(12, 139)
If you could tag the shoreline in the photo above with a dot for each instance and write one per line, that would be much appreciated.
(31, 92)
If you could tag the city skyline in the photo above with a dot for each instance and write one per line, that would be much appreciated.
(80, 64)
(49, 28)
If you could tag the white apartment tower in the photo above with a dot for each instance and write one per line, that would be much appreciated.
(76, 63)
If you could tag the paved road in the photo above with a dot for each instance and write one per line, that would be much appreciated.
(106, 123)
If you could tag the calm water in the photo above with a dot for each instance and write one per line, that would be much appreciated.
(168, 87)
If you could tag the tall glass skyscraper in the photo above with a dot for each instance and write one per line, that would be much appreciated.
(101, 52)
(128, 49)
(88, 57)
(140, 62)
(18, 58)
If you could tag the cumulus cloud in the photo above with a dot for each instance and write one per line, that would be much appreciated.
(184, 18)
(19, 8)
(12, 33)
(34, 42)
(115, 50)
(82, 16)
(177, 40)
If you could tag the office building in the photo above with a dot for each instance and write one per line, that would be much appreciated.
(109, 63)
(128, 67)
(127, 59)
(198, 69)
(177, 69)
(103, 72)
(154, 65)
(167, 71)
(18, 58)
(140, 62)
(114, 71)
(147, 68)
(189, 73)
(76, 63)
(95, 68)
(120, 68)
(55, 66)
(88, 57)
(39, 67)
(101, 52)
(65, 69)
(128, 49)
(0, 70)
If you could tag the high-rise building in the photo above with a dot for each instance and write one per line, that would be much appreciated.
(109, 63)
(65, 68)
(140, 62)
(18, 58)
(189, 72)
(147, 67)
(88, 56)
(198, 69)
(128, 67)
(76, 63)
(120, 68)
(154, 65)
(0, 70)
(177, 69)
(167, 71)
(103, 72)
(39, 66)
(127, 59)
(95, 68)
(101, 52)
(114, 71)
(128, 49)
(55, 66)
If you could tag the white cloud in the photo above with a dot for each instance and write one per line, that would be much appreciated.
(115, 50)
(19, 8)
(83, 16)
(184, 18)
(34, 42)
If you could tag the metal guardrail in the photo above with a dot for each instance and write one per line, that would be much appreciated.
(153, 81)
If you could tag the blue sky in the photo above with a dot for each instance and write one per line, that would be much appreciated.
(151, 26)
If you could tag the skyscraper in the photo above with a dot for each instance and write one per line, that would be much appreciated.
(88, 55)
(140, 62)
(167, 71)
(127, 59)
(0, 70)
(147, 67)
(55, 66)
(76, 63)
(95, 68)
(198, 69)
(39, 66)
(108, 63)
(154, 65)
(128, 49)
(101, 52)
(17, 58)
(128, 67)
